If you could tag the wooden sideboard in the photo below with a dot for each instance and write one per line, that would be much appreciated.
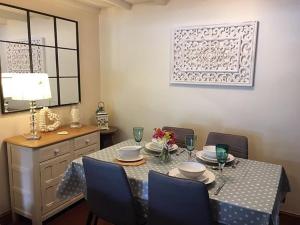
(36, 167)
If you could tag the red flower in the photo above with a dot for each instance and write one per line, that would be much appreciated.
(168, 135)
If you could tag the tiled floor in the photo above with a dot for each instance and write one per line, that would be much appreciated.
(77, 214)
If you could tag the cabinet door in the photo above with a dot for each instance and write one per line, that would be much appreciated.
(51, 174)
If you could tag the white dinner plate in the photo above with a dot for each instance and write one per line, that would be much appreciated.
(140, 157)
(151, 148)
(203, 157)
(207, 177)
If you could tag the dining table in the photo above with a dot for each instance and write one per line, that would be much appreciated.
(252, 194)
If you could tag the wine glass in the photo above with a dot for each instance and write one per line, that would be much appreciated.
(222, 155)
(190, 141)
(138, 134)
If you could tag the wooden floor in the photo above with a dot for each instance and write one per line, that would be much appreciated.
(77, 214)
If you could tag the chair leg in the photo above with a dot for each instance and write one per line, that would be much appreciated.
(96, 220)
(89, 218)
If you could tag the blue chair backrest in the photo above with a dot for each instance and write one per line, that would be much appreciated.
(175, 201)
(108, 192)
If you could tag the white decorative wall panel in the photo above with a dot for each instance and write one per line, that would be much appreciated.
(214, 54)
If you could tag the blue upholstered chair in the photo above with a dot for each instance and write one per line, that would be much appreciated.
(238, 145)
(176, 201)
(108, 193)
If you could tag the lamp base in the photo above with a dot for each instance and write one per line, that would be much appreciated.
(32, 136)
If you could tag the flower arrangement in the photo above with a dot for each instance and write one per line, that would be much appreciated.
(165, 138)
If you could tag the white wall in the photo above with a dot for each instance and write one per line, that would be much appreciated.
(135, 58)
(18, 123)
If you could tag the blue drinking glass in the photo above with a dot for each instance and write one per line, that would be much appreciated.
(190, 143)
(222, 155)
(138, 134)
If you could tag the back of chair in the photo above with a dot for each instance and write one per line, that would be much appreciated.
(108, 192)
(238, 145)
(180, 134)
(175, 201)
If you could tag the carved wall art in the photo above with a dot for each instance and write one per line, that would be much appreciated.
(214, 54)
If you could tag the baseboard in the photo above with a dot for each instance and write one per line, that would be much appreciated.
(4, 214)
(5, 218)
(290, 214)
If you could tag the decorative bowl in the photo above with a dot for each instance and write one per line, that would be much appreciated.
(191, 169)
(129, 152)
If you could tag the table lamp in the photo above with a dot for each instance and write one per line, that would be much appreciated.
(31, 87)
(6, 81)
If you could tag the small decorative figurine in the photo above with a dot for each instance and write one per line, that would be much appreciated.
(102, 117)
(48, 120)
(75, 117)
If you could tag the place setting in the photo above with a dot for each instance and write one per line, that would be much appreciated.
(209, 155)
(194, 171)
(131, 155)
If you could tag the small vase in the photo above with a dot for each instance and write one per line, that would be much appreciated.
(165, 156)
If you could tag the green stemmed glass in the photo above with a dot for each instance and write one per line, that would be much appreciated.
(190, 142)
(138, 134)
(222, 155)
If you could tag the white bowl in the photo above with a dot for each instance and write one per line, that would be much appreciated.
(210, 151)
(129, 152)
(191, 169)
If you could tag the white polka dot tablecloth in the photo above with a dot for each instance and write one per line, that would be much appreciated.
(252, 194)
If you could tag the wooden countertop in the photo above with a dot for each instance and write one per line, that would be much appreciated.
(52, 137)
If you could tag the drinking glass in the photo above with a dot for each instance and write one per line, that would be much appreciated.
(222, 155)
(190, 141)
(138, 134)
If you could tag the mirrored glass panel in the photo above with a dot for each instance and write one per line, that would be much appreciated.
(14, 58)
(67, 61)
(42, 29)
(44, 60)
(66, 34)
(69, 92)
(53, 49)
(13, 25)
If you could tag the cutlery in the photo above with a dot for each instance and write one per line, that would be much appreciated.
(179, 152)
(219, 188)
(235, 163)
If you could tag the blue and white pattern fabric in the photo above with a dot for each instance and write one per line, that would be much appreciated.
(252, 194)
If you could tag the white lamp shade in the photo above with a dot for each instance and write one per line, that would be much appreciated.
(7, 86)
(30, 86)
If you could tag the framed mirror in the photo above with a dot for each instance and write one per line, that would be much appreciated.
(37, 42)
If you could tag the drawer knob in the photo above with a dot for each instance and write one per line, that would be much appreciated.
(56, 151)
(87, 141)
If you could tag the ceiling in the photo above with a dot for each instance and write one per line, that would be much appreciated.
(124, 4)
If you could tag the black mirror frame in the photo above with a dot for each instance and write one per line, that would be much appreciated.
(28, 11)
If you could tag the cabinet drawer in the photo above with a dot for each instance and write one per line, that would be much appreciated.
(85, 151)
(51, 173)
(86, 140)
(54, 151)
